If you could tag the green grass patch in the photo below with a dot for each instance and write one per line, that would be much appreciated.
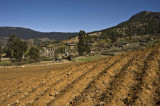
(90, 58)
(5, 63)
(149, 44)
(157, 41)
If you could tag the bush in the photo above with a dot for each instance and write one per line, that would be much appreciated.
(128, 39)
(44, 58)
(157, 41)
(6, 63)
(108, 41)
(34, 53)
(29, 61)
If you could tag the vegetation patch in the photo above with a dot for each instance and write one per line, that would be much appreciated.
(90, 58)
(5, 63)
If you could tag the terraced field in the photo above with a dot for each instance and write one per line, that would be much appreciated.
(128, 79)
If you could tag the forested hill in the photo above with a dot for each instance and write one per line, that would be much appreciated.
(142, 23)
(25, 33)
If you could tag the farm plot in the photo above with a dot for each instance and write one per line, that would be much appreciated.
(132, 78)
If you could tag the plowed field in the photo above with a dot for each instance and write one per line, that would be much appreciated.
(130, 79)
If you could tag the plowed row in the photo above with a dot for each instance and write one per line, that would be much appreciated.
(128, 79)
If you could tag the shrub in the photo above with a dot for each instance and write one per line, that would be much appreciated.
(44, 58)
(28, 61)
(34, 53)
(6, 63)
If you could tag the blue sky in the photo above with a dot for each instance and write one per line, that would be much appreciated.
(71, 15)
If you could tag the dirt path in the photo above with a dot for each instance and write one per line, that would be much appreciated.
(128, 79)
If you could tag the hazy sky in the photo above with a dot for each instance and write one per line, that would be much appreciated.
(71, 15)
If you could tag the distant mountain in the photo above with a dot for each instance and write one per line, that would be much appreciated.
(148, 15)
(25, 33)
(145, 22)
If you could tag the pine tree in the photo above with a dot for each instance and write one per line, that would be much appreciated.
(19, 48)
(113, 37)
(15, 48)
(81, 43)
(10, 43)
(0, 52)
(87, 40)
(34, 53)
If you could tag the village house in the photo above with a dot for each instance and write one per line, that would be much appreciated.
(46, 51)
(71, 45)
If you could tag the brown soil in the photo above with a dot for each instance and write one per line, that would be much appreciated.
(130, 79)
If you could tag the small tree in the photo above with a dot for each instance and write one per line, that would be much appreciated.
(24, 45)
(87, 46)
(19, 48)
(113, 37)
(81, 43)
(15, 48)
(0, 52)
(34, 53)
(10, 44)
(61, 49)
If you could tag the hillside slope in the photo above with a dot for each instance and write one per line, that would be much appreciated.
(25, 33)
(141, 23)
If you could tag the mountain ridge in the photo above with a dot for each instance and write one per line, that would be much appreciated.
(145, 22)
(27, 33)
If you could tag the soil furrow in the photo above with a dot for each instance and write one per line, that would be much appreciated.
(19, 83)
(16, 81)
(157, 89)
(34, 96)
(60, 87)
(147, 88)
(41, 91)
(27, 91)
(89, 96)
(120, 88)
(82, 84)
(19, 87)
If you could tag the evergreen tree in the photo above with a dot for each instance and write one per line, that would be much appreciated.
(24, 44)
(87, 40)
(10, 44)
(34, 53)
(81, 43)
(113, 37)
(0, 52)
(19, 48)
(15, 48)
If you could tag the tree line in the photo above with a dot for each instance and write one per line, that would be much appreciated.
(17, 50)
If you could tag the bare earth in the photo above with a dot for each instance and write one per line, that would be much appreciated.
(128, 79)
